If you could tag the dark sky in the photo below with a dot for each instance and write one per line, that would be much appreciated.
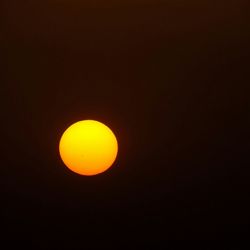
(171, 78)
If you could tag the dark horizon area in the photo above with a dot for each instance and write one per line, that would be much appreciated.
(170, 78)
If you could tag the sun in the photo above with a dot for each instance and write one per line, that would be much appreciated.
(88, 147)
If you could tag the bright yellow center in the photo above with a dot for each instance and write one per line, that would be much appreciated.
(88, 147)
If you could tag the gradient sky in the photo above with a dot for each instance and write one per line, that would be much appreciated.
(171, 78)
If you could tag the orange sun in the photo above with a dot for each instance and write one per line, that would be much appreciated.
(88, 147)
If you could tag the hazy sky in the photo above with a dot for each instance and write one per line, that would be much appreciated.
(171, 78)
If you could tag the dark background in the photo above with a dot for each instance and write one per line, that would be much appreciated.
(171, 78)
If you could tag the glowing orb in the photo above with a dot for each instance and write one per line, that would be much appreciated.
(88, 147)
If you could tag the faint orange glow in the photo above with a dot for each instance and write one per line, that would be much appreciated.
(88, 147)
